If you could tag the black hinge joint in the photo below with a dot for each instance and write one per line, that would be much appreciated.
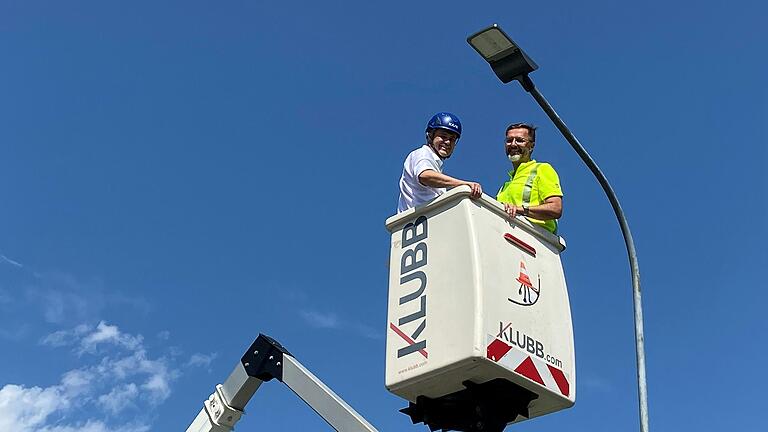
(264, 359)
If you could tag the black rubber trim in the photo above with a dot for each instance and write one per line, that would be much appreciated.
(486, 407)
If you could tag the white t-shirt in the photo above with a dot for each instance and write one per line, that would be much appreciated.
(412, 192)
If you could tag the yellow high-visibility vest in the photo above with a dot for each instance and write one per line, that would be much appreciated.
(530, 184)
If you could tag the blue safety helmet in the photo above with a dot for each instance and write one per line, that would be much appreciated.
(445, 120)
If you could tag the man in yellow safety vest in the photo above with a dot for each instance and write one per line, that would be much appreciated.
(533, 189)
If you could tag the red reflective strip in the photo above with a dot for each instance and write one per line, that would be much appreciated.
(562, 382)
(521, 244)
(496, 350)
(407, 338)
(528, 370)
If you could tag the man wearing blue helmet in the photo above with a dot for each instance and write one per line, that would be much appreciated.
(423, 179)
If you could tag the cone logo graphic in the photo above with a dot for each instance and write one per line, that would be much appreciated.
(523, 278)
(526, 293)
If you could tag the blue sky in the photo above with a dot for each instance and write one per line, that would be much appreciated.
(177, 177)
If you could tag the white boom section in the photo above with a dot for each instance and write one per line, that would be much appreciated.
(225, 406)
(322, 399)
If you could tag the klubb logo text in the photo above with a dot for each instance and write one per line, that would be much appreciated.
(412, 309)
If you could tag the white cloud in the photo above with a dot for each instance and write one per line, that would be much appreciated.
(201, 360)
(96, 426)
(321, 320)
(5, 259)
(60, 304)
(65, 337)
(329, 320)
(368, 331)
(157, 374)
(77, 382)
(89, 339)
(119, 398)
(24, 409)
(28, 408)
(122, 382)
(89, 397)
(158, 387)
(63, 299)
(108, 334)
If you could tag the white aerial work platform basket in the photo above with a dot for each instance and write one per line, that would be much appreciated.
(478, 315)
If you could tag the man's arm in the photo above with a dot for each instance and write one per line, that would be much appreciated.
(435, 179)
(551, 208)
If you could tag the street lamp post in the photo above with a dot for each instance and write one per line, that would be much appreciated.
(509, 62)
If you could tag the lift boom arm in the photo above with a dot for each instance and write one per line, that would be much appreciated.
(264, 360)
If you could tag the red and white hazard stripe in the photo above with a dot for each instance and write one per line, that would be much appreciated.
(531, 367)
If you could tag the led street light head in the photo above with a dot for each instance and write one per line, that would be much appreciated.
(507, 60)
(491, 43)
